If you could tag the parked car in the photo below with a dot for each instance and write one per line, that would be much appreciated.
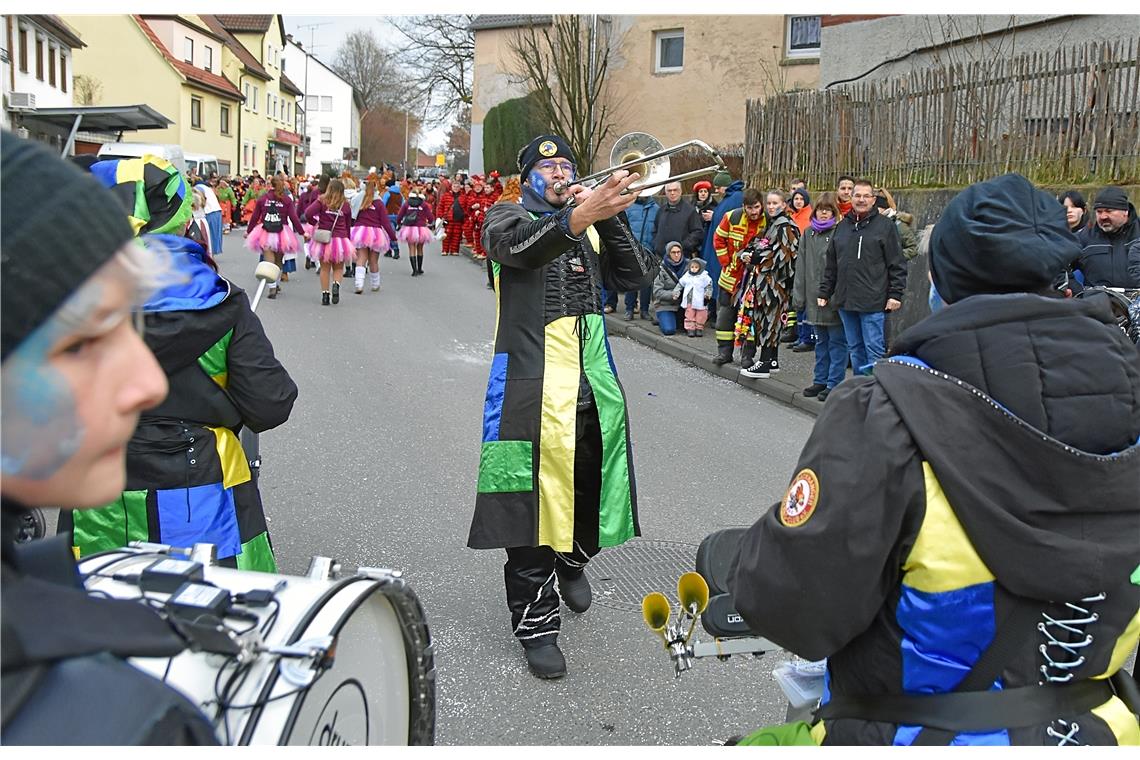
(172, 153)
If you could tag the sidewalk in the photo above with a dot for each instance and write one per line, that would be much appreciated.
(786, 386)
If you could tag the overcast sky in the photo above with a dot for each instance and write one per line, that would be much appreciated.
(322, 41)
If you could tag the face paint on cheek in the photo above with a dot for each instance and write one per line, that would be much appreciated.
(42, 429)
(537, 182)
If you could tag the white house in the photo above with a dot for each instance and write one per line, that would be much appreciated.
(331, 118)
(38, 71)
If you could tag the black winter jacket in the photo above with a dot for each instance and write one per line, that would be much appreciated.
(864, 265)
(65, 675)
(1009, 467)
(681, 223)
(1107, 259)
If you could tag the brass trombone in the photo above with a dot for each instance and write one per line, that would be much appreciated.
(643, 153)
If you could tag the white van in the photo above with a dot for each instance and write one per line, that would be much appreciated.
(202, 164)
(172, 153)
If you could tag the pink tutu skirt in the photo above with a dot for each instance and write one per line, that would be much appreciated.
(285, 241)
(414, 234)
(374, 238)
(338, 250)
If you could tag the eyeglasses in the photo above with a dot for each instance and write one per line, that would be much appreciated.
(548, 167)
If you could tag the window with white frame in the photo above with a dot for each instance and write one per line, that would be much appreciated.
(326, 102)
(195, 112)
(209, 58)
(254, 101)
(312, 102)
(269, 104)
(224, 113)
(326, 135)
(669, 51)
(188, 50)
(802, 38)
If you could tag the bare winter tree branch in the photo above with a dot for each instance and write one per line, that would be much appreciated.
(553, 61)
(437, 59)
(366, 65)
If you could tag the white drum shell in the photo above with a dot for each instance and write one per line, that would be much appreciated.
(363, 698)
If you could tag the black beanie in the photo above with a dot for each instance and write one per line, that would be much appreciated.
(50, 242)
(1112, 197)
(543, 146)
(999, 236)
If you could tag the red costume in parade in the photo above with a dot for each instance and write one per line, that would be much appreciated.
(454, 229)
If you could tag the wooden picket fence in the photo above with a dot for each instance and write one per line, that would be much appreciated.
(1065, 116)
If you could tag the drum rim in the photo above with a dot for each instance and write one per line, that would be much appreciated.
(411, 657)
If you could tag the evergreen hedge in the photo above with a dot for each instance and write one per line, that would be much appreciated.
(506, 129)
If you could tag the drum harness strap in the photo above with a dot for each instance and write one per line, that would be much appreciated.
(973, 708)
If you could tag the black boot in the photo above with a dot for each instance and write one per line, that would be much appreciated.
(545, 660)
(575, 591)
(420, 263)
(412, 260)
(336, 292)
(324, 298)
(723, 355)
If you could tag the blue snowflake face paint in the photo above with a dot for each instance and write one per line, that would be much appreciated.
(42, 429)
(537, 182)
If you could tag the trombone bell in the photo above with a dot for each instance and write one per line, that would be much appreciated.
(642, 153)
(629, 153)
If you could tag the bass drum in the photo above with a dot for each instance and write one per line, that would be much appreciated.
(1125, 305)
(374, 685)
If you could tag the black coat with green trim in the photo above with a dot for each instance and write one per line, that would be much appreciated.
(551, 351)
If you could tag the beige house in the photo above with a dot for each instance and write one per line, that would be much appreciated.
(676, 77)
(171, 63)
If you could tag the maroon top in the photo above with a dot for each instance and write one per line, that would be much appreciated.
(323, 219)
(290, 212)
(376, 216)
(426, 217)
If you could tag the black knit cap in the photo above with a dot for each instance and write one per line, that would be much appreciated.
(50, 242)
(999, 236)
(543, 146)
(1112, 198)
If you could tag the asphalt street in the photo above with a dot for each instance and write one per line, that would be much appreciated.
(378, 464)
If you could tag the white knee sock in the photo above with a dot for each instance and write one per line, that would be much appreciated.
(358, 279)
(375, 278)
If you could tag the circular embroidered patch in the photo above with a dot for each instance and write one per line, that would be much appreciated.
(800, 500)
(547, 148)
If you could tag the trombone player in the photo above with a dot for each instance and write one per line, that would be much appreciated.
(556, 476)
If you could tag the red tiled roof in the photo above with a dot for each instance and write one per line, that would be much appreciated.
(206, 79)
(233, 43)
(241, 23)
(288, 86)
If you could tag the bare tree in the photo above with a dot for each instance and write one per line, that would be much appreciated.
(438, 58)
(88, 90)
(366, 65)
(554, 62)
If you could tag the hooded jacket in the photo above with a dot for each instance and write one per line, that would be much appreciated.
(1105, 258)
(864, 265)
(696, 289)
(810, 260)
(927, 495)
(668, 276)
(551, 354)
(188, 478)
(642, 216)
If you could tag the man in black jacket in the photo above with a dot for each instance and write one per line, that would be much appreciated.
(678, 220)
(76, 376)
(1105, 258)
(864, 275)
(986, 473)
